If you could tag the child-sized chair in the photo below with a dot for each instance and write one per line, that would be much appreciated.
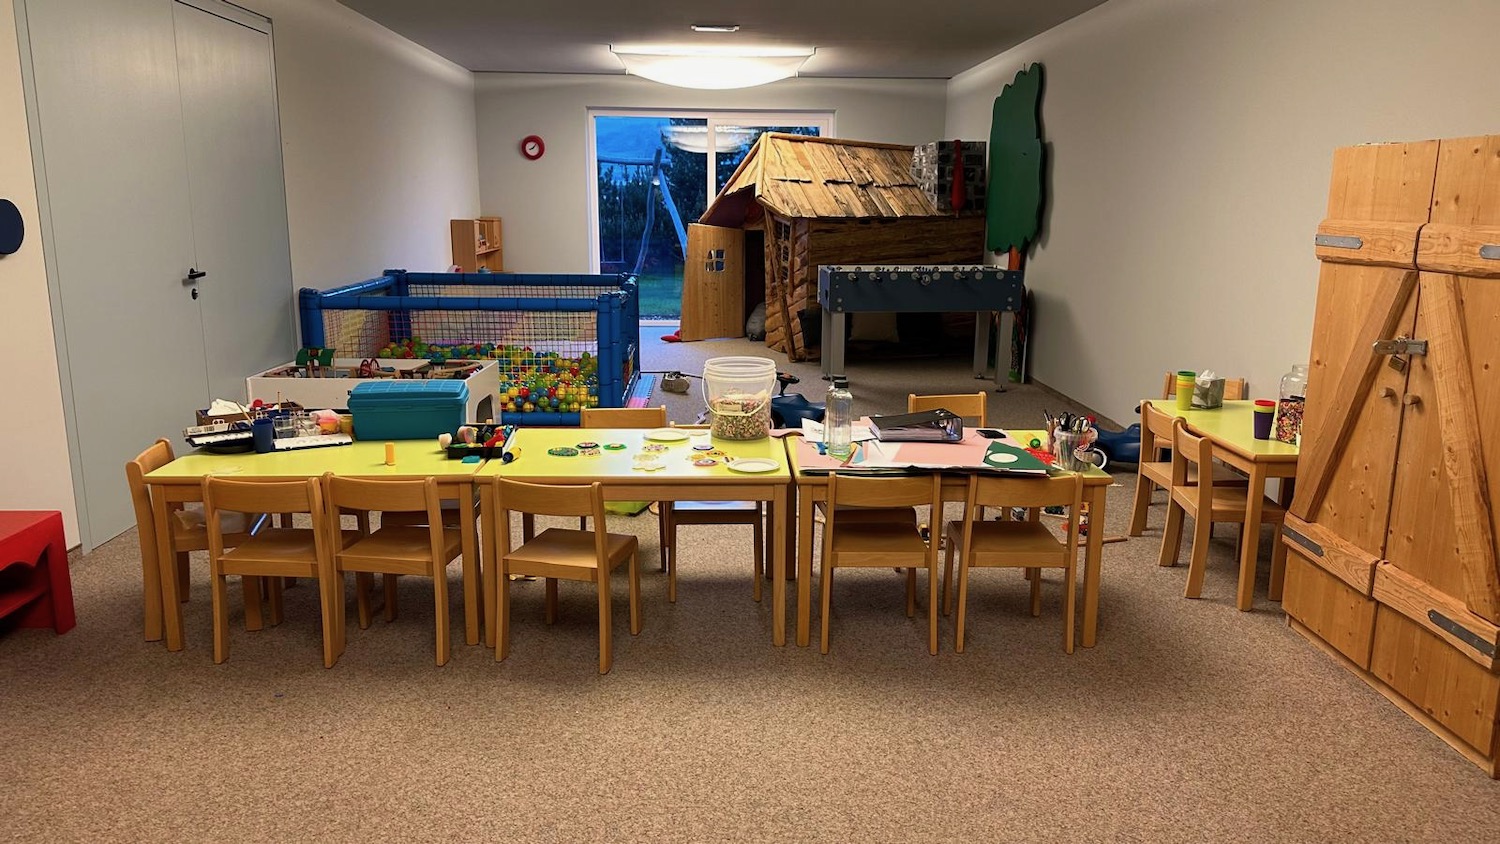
(1026, 544)
(558, 553)
(1156, 436)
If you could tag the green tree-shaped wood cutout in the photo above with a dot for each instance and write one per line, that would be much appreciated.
(1014, 201)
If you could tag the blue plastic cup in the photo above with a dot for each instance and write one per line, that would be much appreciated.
(263, 435)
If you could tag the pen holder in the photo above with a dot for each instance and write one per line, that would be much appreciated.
(1071, 449)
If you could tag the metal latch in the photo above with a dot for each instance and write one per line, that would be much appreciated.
(1338, 241)
(1401, 346)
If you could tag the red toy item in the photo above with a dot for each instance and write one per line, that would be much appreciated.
(42, 595)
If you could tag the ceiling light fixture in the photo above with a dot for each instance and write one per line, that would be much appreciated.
(716, 27)
(712, 67)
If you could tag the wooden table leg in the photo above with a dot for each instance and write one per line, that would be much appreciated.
(778, 574)
(1092, 563)
(1250, 537)
(470, 557)
(805, 531)
(488, 544)
(166, 562)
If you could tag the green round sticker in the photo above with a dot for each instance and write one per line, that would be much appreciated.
(563, 451)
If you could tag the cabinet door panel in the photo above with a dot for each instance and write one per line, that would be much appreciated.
(238, 196)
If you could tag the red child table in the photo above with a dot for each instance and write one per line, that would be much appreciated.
(41, 593)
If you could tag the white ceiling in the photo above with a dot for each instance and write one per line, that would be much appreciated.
(854, 38)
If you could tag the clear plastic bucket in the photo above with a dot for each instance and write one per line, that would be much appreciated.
(737, 391)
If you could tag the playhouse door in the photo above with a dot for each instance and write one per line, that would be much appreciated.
(713, 283)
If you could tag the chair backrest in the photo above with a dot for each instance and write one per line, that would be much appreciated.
(1156, 430)
(998, 491)
(363, 496)
(156, 456)
(261, 497)
(863, 491)
(507, 496)
(624, 417)
(968, 405)
(1234, 388)
(1190, 451)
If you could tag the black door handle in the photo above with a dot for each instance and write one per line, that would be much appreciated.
(194, 274)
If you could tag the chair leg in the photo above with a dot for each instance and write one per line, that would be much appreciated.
(1070, 603)
(253, 595)
(184, 576)
(221, 613)
(1198, 559)
(932, 607)
(274, 587)
(1035, 576)
(963, 601)
(1278, 566)
(327, 605)
(672, 566)
(606, 651)
(340, 612)
(528, 527)
(549, 613)
(502, 610)
(363, 580)
(1171, 535)
(1142, 505)
(388, 583)
(947, 577)
(440, 607)
(911, 593)
(827, 595)
(667, 533)
(760, 548)
(635, 594)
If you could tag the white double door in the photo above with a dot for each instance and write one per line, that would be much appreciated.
(160, 149)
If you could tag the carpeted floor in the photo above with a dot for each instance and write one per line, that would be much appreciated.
(1189, 722)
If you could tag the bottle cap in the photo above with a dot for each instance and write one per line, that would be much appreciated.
(840, 381)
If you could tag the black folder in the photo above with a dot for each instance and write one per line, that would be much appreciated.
(933, 426)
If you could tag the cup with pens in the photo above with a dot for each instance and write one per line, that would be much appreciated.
(1070, 438)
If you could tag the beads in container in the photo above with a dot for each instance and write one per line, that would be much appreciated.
(740, 416)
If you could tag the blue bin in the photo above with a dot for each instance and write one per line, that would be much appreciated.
(407, 410)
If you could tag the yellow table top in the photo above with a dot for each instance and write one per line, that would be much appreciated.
(1092, 477)
(676, 458)
(363, 459)
(1231, 426)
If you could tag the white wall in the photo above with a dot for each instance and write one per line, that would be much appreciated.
(379, 153)
(32, 476)
(544, 203)
(378, 144)
(1191, 144)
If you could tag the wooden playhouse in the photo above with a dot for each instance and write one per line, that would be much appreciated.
(803, 201)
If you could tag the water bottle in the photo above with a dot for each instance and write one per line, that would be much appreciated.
(838, 419)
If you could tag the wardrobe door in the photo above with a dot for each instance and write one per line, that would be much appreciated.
(121, 239)
(239, 228)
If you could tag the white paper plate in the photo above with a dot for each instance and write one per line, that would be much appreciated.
(753, 465)
(667, 435)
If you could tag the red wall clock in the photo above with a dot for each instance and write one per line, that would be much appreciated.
(532, 147)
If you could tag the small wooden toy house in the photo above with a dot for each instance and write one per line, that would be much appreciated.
(794, 203)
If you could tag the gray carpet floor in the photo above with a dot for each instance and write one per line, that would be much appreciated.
(1190, 721)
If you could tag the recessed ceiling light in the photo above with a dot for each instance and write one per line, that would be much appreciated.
(716, 27)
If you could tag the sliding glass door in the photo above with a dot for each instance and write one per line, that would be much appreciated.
(656, 172)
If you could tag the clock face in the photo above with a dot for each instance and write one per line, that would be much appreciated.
(532, 147)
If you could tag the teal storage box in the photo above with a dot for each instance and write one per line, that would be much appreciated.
(394, 409)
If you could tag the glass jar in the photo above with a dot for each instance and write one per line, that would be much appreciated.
(1291, 404)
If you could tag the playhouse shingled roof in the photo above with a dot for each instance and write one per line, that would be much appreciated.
(801, 176)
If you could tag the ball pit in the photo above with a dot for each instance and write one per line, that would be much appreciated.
(530, 381)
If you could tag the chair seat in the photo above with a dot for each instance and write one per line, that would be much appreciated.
(1229, 504)
(561, 548)
(874, 544)
(391, 547)
(189, 533)
(1161, 474)
(1026, 544)
(275, 547)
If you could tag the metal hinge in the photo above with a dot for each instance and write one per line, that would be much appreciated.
(1401, 346)
(1338, 241)
(1490, 252)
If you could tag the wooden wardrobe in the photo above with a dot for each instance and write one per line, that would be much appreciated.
(1392, 562)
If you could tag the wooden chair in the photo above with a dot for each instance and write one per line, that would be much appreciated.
(189, 533)
(271, 552)
(627, 417)
(1207, 502)
(874, 544)
(967, 405)
(1024, 544)
(1156, 437)
(394, 549)
(558, 553)
(1234, 388)
(679, 513)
